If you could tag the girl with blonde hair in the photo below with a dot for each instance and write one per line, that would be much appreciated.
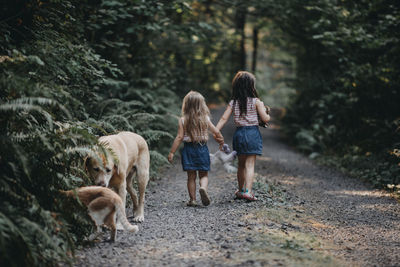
(193, 129)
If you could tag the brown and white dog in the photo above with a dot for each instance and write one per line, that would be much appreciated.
(104, 207)
(129, 155)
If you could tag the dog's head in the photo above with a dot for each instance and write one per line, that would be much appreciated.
(101, 168)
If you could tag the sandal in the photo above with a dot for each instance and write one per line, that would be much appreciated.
(249, 196)
(191, 203)
(238, 194)
(204, 196)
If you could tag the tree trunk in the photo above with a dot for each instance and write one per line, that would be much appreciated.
(240, 21)
(255, 47)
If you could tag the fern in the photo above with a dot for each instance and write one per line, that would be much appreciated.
(156, 160)
(58, 93)
(157, 157)
(14, 107)
(41, 101)
(118, 105)
(155, 135)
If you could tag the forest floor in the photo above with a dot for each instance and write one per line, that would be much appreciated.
(307, 215)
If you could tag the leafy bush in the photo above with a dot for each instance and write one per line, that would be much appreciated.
(347, 82)
(57, 94)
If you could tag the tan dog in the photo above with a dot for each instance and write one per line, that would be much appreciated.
(104, 207)
(132, 154)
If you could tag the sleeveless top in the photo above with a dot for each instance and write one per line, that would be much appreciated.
(249, 119)
(186, 137)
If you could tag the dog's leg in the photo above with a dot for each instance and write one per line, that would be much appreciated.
(109, 221)
(96, 234)
(121, 191)
(131, 190)
(143, 179)
(139, 212)
(113, 229)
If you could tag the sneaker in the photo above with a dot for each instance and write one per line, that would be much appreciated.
(191, 203)
(249, 196)
(238, 194)
(204, 196)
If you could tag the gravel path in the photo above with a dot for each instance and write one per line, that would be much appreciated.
(306, 216)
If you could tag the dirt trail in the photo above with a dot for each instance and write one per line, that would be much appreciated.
(306, 216)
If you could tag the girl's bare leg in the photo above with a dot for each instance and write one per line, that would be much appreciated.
(205, 199)
(203, 181)
(249, 171)
(241, 171)
(191, 184)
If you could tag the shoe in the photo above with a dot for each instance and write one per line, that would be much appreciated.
(249, 196)
(191, 203)
(204, 197)
(238, 194)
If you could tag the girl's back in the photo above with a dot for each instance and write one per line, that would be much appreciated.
(201, 135)
(248, 119)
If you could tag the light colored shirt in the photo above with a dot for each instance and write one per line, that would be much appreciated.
(249, 119)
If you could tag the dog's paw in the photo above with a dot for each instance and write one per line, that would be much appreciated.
(139, 218)
(94, 236)
(134, 229)
(119, 226)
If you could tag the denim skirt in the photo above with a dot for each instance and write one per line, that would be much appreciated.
(247, 140)
(195, 157)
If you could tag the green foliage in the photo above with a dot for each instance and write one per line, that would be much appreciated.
(57, 94)
(380, 169)
(71, 71)
(347, 56)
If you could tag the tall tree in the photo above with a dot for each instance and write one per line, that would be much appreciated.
(240, 23)
(255, 48)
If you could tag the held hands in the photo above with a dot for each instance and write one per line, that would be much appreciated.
(220, 140)
(170, 157)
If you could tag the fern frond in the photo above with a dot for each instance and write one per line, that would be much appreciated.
(158, 158)
(118, 119)
(13, 107)
(155, 135)
(119, 105)
(21, 137)
(41, 101)
(83, 151)
(102, 126)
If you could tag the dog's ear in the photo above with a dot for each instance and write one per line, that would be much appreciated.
(86, 163)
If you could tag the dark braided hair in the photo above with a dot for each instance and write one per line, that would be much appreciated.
(243, 86)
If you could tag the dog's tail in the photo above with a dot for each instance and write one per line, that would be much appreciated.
(121, 215)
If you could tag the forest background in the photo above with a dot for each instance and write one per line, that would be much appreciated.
(73, 70)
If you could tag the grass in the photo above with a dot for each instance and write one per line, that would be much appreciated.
(279, 233)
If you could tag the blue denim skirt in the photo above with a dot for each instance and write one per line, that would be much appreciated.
(247, 140)
(195, 157)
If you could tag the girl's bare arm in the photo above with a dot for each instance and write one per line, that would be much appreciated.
(224, 118)
(216, 133)
(178, 140)
(261, 111)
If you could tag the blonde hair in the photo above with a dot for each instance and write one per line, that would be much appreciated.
(196, 115)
